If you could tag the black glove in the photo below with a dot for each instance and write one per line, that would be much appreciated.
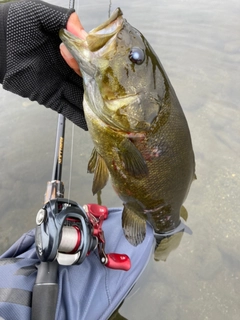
(31, 63)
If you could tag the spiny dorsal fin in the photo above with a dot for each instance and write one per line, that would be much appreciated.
(133, 159)
(98, 166)
(134, 227)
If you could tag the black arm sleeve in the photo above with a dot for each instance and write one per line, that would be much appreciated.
(31, 64)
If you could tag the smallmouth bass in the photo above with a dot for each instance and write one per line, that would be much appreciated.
(140, 134)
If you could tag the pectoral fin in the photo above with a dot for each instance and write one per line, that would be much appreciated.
(92, 161)
(134, 226)
(98, 166)
(133, 159)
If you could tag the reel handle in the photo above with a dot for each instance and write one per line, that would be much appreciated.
(118, 261)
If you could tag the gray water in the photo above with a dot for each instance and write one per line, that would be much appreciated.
(198, 42)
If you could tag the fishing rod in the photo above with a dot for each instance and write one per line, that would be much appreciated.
(45, 290)
(46, 285)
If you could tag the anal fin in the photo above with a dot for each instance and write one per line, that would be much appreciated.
(134, 226)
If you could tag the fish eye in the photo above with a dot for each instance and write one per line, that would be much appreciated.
(136, 55)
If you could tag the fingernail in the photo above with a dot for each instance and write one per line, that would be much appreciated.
(84, 34)
(64, 51)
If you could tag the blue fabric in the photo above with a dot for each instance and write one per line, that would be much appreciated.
(86, 291)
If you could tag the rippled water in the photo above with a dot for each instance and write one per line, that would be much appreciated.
(198, 43)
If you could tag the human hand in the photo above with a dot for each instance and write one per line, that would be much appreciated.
(35, 67)
(75, 27)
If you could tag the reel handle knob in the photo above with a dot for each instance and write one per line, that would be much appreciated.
(118, 261)
(96, 210)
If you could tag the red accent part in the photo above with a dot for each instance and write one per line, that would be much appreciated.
(118, 261)
(97, 210)
(97, 214)
(97, 226)
(72, 219)
(97, 230)
(78, 242)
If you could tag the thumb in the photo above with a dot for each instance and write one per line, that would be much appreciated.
(75, 27)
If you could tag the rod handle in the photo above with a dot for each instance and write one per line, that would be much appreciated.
(45, 292)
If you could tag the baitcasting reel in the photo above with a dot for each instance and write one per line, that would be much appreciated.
(67, 232)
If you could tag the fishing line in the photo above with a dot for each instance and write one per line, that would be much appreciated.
(71, 4)
(109, 8)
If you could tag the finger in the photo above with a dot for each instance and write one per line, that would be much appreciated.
(75, 27)
(69, 59)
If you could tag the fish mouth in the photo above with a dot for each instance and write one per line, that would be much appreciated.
(98, 42)
(97, 38)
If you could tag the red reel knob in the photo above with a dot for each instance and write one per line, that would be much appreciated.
(96, 210)
(118, 261)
